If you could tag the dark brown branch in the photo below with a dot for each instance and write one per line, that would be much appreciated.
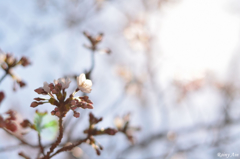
(67, 148)
(59, 139)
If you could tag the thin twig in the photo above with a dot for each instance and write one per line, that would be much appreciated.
(67, 148)
(59, 139)
(40, 144)
(3, 77)
(21, 140)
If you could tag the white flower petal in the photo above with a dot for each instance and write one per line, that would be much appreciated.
(46, 87)
(84, 84)
(82, 78)
(88, 83)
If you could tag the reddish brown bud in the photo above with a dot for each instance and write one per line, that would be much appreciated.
(21, 83)
(51, 86)
(26, 123)
(39, 99)
(54, 91)
(76, 114)
(98, 152)
(40, 90)
(35, 104)
(11, 126)
(24, 61)
(73, 107)
(110, 131)
(53, 112)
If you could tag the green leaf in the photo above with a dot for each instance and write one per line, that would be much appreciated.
(40, 123)
(52, 124)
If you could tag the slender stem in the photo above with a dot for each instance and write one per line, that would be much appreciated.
(93, 61)
(59, 139)
(67, 148)
(40, 144)
(22, 141)
(3, 77)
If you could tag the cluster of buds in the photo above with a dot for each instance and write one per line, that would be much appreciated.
(8, 62)
(8, 123)
(122, 125)
(57, 94)
(94, 42)
(93, 131)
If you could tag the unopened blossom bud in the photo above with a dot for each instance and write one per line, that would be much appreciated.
(118, 122)
(40, 91)
(73, 107)
(53, 112)
(51, 86)
(35, 104)
(24, 61)
(77, 152)
(98, 152)
(110, 131)
(76, 114)
(39, 99)
(11, 126)
(26, 123)
(21, 83)
(74, 102)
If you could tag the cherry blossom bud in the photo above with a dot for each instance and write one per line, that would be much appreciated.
(26, 123)
(76, 114)
(24, 61)
(39, 99)
(110, 131)
(21, 83)
(35, 104)
(11, 126)
(40, 90)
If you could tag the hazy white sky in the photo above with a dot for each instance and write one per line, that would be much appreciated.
(198, 34)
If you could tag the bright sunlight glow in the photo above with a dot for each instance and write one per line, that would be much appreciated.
(198, 35)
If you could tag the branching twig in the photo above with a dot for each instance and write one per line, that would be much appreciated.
(5, 75)
(67, 148)
(59, 139)
(40, 144)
